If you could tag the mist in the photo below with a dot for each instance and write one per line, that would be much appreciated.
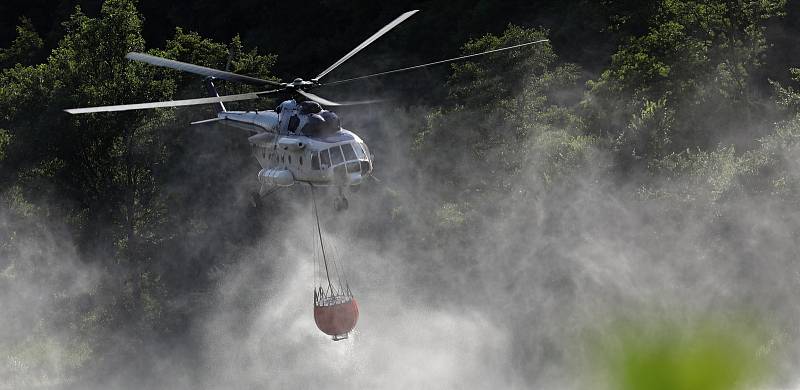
(500, 302)
(489, 251)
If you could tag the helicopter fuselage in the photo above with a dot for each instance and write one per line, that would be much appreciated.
(337, 157)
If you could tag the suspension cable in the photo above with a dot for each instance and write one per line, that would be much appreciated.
(336, 264)
(321, 244)
(316, 255)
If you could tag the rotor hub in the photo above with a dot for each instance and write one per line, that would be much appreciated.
(300, 83)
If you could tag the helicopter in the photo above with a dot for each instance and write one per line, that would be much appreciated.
(299, 141)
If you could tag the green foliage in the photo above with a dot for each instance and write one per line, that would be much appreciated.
(510, 114)
(191, 47)
(104, 174)
(780, 152)
(42, 360)
(557, 154)
(451, 215)
(696, 58)
(14, 201)
(106, 162)
(25, 47)
(499, 77)
(5, 139)
(696, 175)
(787, 96)
(706, 356)
(712, 176)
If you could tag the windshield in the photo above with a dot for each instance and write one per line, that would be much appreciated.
(348, 152)
(336, 155)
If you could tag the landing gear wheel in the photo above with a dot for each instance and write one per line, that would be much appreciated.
(340, 203)
(255, 200)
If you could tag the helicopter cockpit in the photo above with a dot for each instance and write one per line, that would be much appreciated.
(350, 160)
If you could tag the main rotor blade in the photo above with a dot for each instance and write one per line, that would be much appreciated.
(369, 40)
(320, 100)
(329, 103)
(197, 69)
(432, 63)
(171, 103)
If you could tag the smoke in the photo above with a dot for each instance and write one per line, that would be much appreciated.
(400, 341)
(42, 281)
(492, 301)
(452, 293)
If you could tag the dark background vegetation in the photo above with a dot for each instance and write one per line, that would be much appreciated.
(686, 112)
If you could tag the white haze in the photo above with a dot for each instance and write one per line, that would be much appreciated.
(567, 262)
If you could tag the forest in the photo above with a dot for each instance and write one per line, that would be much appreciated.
(643, 166)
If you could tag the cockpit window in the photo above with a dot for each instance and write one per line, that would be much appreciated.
(336, 155)
(353, 166)
(348, 152)
(359, 152)
(325, 158)
(366, 149)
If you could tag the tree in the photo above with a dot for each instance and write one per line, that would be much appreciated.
(501, 111)
(686, 82)
(25, 48)
(105, 174)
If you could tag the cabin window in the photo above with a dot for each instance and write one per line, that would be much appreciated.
(290, 159)
(314, 161)
(301, 160)
(348, 152)
(336, 155)
(325, 158)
